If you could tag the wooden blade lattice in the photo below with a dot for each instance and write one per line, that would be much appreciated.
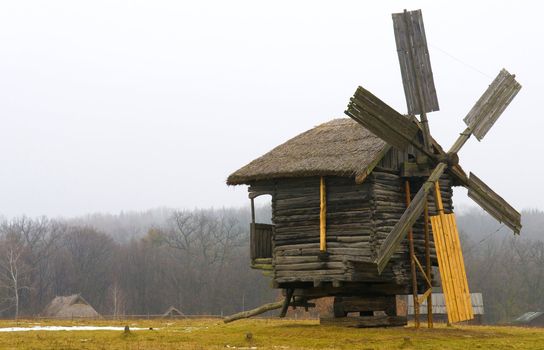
(494, 204)
(452, 268)
(492, 103)
(415, 64)
(382, 120)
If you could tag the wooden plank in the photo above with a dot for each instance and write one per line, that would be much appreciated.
(425, 295)
(368, 303)
(382, 120)
(407, 193)
(492, 103)
(415, 63)
(466, 291)
(451, 265)
(444, 259)
(414, 211)
(444, 268)
(454, 268)
(365, 321)
(309, 266)
(494, 204)
(428, 267)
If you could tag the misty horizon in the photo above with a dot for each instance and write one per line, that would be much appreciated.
(149, 105)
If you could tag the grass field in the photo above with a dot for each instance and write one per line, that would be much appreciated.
(265, 334)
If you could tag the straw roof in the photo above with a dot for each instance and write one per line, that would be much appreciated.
(69, 306)
(340, 147)
(172, 311)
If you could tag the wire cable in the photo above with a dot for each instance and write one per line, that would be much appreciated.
(483, 239)
(461, 61)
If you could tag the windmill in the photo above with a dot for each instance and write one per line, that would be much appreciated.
(342, 201)
(401, 132)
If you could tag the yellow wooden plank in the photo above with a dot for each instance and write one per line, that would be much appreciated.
(435, 225)
(454, 269)
(448, 268)
(422, 298)
(322, 216)
(454, 266)
(422, 271)
(443, 266)
(468, 300)
(445, 270)
(461, 276)
(459, 292)
(465, 293)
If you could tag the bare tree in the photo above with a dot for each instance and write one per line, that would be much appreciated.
(13, 272)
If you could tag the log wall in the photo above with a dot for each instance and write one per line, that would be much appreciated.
(359, 217)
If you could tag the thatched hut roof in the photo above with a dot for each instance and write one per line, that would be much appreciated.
(68, 307)
(340, 147)
(172, 311)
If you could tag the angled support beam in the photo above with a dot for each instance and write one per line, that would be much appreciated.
(415, 209)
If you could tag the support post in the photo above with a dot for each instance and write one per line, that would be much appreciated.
(322, 216)
(428, 264)
(252, 210)
(288, 295)
(412, 259)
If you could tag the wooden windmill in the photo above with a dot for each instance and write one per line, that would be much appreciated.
(399, 131)
(342, 203)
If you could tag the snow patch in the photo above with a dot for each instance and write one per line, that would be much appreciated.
(68, 328)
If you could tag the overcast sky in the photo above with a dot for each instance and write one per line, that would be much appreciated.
(128, 105)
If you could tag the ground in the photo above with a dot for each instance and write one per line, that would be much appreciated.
(264, 334)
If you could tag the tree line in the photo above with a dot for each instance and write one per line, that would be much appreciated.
(198, 262)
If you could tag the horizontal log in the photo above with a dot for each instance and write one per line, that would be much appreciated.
(308, 275)
(254, 312)
(310, 266)
(365, 321)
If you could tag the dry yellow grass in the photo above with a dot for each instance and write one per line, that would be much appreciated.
(266, 334)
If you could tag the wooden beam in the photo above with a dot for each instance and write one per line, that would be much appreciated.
(422, 271)
(394, 239)
(425, 295)
(257, 311)
(428, 267)
(285, 306)
(365, 321)
(412, 257)
(322, 216)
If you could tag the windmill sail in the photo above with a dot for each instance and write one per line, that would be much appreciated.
(415, 64)
(492, 103)
(382, 120)
(493, 203)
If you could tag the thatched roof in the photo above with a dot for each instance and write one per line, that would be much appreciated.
(172, 311)
(69, 306)
(341, 147)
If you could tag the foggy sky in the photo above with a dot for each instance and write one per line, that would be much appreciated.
(128, 105)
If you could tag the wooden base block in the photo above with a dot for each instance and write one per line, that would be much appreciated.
(365, 321)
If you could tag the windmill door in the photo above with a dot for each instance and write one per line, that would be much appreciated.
(261, 241)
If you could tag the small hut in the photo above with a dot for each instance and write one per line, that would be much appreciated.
(337, 190)
(172, 312)
(440, 314)
(72, 306)
(530, 319)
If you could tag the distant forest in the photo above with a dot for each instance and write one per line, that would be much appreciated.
(140, 263)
